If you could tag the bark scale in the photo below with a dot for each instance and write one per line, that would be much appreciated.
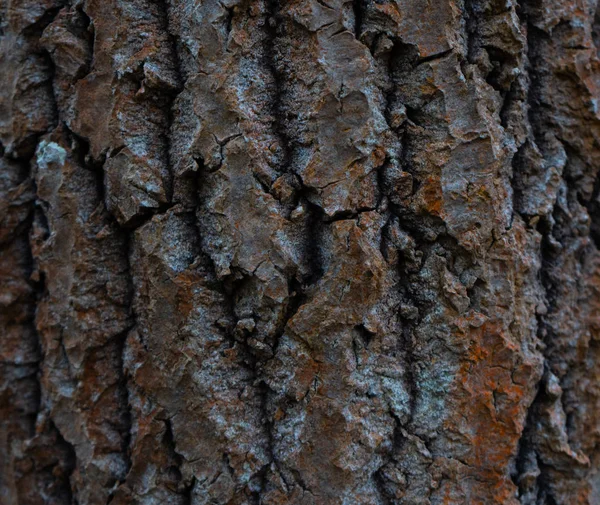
(299, 251)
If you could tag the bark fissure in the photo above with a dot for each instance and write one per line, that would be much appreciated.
(537, 465)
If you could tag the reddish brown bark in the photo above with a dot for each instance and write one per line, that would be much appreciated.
(309, 252)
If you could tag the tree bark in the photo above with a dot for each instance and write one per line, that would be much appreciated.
(299, 252)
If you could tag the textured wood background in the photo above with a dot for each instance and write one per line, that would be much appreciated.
(310, 252)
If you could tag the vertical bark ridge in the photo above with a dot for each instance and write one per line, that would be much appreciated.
(36, 456)
(102, 416)
(553, 442)
(467, 256)
(299, 354)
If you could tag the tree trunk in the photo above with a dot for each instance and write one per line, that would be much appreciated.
(299, 252)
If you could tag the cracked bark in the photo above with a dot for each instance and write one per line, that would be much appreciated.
(312, 252)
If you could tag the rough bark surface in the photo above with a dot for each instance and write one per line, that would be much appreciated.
(299, 252)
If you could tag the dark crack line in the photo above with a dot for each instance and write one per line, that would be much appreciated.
(547, 226)
(271, 43)
(164, 18)
(358, 7)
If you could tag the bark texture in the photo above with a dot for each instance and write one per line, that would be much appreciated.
(309, 252)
